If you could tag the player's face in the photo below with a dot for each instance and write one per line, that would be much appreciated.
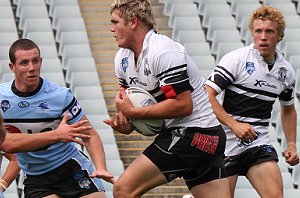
(265, 37)
(122, 30)
(27, 69)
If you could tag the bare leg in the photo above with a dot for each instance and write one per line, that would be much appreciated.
(218, 188)
(141, 176)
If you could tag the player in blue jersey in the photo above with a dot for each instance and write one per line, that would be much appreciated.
(252, 78)
(192, 143)
(41, 109)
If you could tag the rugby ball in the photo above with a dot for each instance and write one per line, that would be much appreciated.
(141, 98)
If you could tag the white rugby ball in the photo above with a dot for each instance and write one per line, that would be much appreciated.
(141, 98)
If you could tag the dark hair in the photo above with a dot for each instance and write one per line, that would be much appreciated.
(21, 44)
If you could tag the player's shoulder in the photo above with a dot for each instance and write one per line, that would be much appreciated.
(5, 87)
(50, 86)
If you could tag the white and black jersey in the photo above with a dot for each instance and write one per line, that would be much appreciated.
(250, 91)
(164, 69)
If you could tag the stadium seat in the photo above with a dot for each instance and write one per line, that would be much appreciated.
(48, 51)
(290, 34)
(168, 5)
(75, 51)
(224, 36)
(20, 4)
(84, 79)
(268, 2)
(54, 3)
(8, 25)
(181, 10)
(7, 38)
(94, 106)
(36, 25)
(249, 38)
(291, 48)
(286, 8)
(245, 193)
(219, 23)
(294, 60)
(6, 12)
(234, 4)
(79, 67)
(202, 4)
(88, 92)
(185, 23)
(4, 51)
(51, 65)
(56, 77)
(42, 38)
(5, 3)
(214, 10)
(35, 12)
(292, 21)
(188, 36)
(115, 167)
(67, 25)
(197, 49)
(107, 136)
(244, 10)
(71, 38)
(204, 62)
(65, 12)
(224, 48)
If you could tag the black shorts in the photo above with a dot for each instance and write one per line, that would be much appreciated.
(240, 164)
(68, 180)
(196, 154)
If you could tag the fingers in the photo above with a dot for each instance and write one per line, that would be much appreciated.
(80, 123)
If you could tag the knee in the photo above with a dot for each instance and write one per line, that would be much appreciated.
(121, 190)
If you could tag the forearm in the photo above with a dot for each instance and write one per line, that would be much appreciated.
(11, 173)
(18, 142)
(289, 119)
(95, 149)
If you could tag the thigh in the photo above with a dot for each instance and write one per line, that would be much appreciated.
(213, 189)
(141, 176)
(266, 179)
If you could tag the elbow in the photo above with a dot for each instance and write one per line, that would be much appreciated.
(186, 110)
(6, 148)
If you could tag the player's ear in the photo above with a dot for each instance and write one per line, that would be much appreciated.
(12, 67)
(134, 22)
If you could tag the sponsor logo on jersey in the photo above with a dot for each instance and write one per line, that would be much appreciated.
(147, 71)
(124, 64)
(282, 74)
(136, 80)
(263, 83)
(5, 105)
(74, 110)
(23, 104)
(206, 143)
(250, 67)
(44, 106)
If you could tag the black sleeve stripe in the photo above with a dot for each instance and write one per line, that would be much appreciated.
(171, 69)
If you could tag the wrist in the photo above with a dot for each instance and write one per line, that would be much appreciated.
(292, 145)
(3, 185)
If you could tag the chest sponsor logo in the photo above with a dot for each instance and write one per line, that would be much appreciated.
(5, 105)
(136, 80)
(147, 71)
(250, 67)
(282, 74)
(263, 83)
(23, 104)
(43, 106)
(124, 64)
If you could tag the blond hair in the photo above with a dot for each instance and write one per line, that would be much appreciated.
(269, 13)
(135, 8)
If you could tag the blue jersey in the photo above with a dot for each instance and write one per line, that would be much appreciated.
(38, 112)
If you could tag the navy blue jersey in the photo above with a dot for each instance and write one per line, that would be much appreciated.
(38, 112)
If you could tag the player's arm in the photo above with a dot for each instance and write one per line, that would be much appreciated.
(289, 119)
(179, 106)
(21, 142)
(2, 130)
(241, 130)
(11, 172)
(95, 149)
